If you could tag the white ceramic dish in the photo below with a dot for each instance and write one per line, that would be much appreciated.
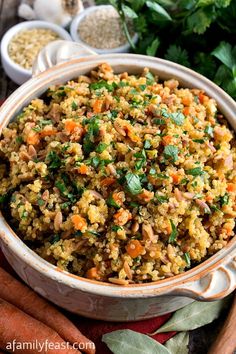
(16, 72)
(213, 279)
(75, 34)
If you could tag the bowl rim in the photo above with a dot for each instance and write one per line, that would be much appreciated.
(75, 35)
(151, 289)
(11, 32)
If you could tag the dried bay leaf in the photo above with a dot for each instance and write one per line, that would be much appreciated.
(178, 344)
(195, 315)
(129, 342)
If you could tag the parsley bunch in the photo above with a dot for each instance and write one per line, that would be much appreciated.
(199, 34)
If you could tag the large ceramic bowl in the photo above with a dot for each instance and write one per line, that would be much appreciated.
(213, 279)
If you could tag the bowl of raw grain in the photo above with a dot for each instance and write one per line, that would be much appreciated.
(21, 44)
(101, 30)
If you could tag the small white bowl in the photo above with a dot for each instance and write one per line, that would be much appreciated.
(75, 34)
(17, 73)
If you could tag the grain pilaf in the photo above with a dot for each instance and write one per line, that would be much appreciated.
(120, 178)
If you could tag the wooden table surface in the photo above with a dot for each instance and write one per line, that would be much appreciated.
(201, 338)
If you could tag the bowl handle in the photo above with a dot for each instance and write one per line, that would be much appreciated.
(58, 52)
(214, 285)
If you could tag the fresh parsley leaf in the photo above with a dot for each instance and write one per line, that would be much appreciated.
(112, 203)
(178, 118)
(178, 55)
(226, 54)
(174, 232)
(101, 147)
(197, 171)
(187, 259)
(54, 160)
(103, 84)
(74, 106)
(209, 130)
(163, 14)
(224, 200)
(200, 20)
(171, 152)
(200, 141)
(161, 198)
(147, 144)
(133, 183)
(152, 48)
(129, 12)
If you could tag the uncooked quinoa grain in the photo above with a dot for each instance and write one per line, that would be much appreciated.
(102, 29)
(120, 178)
(25, 46)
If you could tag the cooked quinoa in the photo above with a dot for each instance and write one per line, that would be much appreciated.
(120, 178)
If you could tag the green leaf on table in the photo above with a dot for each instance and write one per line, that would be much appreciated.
(152, 48)
(129, 12)
(178, 344)
(159, 10)
(129, 342)
(222, 3)
(177, 55)
(195, 315)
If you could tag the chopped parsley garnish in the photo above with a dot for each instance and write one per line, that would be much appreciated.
(150, 78)
(171, 152)
(54, 160)
(224, 200)
(209, 130)
(197, 171)
(3, 198)
(133, 183)
(54, 238)
(74, 106)
(101, 147)
(103, 84)
(134, 205)
(162, 176)
(184, 181)
(147, 144)
(161, 198)
(214, 208)
(187, 259)
(178, 118)
(95, 233)
(200, 141)
(141, 159)
(19, 139)
(142, 87)
(41, 202)
(112, 114)
(116, 228)
(112, 203)
(159, 121)
(92, 133)
(174, 232)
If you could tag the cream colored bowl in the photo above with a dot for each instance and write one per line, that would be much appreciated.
(211, 280)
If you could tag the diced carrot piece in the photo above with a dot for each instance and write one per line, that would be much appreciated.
(186, 101)
(133, 137)
(92, 273)
(168, 228)
(33, 138)
(71, 125)
(108, 181)
(146, 196)
(186, 111)
(48, 132)
(202, 97)
(79, 222)
(134, 248)
(117, 197)
(231, 187)
(97, 106)
(176, 178)
(166, 140)
(209, 198)
(83, 169)
(122, 217)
